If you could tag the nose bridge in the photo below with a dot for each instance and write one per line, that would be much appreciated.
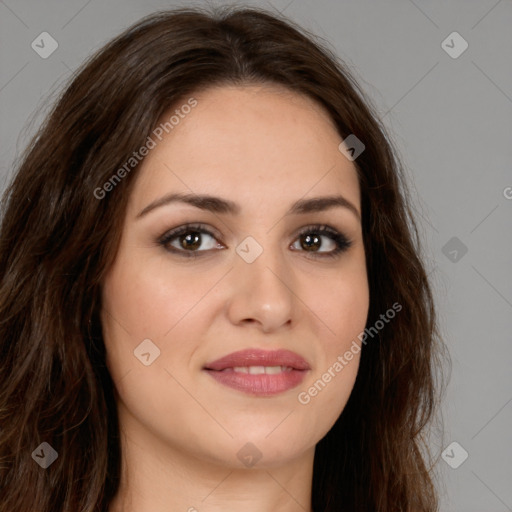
(261, 287)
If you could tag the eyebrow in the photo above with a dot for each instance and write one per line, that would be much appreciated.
(220, 205)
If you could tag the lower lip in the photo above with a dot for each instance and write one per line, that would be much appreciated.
(260, 385)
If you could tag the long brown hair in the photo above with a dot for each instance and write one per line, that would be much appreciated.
(58, 240)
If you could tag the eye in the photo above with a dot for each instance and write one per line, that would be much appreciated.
(189, 239)
(322, 241)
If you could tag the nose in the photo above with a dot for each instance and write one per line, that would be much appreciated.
(262, 293)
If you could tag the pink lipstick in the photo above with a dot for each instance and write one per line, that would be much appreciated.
(259, 372)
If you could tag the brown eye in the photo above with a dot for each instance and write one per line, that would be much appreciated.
(321, 241)
(310, 242)
(189, 240)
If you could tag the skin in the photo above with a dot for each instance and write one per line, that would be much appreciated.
(262, 147)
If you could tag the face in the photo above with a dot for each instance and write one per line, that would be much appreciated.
(226, 318)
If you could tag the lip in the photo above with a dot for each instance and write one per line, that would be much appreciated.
(223, 371)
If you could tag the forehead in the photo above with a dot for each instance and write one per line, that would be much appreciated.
(249, 142)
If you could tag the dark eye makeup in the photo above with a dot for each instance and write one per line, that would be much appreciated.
(186, 239)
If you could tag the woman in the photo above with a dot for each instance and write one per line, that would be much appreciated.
(211, 292)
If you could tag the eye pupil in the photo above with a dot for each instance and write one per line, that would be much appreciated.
(191, 240)
(309, 242)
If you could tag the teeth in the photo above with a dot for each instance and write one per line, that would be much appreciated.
(259, 370)
(272, 370)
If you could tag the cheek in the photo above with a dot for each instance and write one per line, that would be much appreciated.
(347, 313)
(341, 305)
(141, 302)
(147, 298)
(324, 395)
(138, 305)
(342, 309)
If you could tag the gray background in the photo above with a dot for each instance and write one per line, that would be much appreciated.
(451, 119)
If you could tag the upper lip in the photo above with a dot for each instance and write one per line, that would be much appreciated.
(257, 357)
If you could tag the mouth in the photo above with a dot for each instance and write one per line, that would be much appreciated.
(259, 372)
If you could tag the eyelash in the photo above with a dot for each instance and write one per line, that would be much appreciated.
(341, 241)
